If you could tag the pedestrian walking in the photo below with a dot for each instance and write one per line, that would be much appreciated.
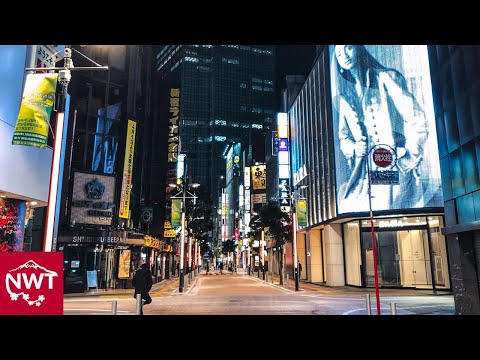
(142, 281)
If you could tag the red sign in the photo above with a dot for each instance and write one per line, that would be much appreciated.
(382, 157)
(31, 283)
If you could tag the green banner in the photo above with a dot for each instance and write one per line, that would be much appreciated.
(302, 213)
(176, 213)
(35, 109)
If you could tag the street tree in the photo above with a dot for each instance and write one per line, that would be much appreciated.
(199, 218)
(276, 224)
(229, 246)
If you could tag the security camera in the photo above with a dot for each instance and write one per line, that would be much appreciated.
(64, 77)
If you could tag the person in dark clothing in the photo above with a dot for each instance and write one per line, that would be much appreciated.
(299, 270)
(142, 281)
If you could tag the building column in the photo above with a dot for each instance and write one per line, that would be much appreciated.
(302, 254)
(335, 274)
(463, 271)
(315, 262)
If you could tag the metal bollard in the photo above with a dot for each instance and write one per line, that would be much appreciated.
(114, 307)
(369, 304)
(393, 309)
(139, 304)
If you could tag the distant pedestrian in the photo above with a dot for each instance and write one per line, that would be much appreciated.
(221, 268)
(206, 268)
(142, 281)
(299, 270)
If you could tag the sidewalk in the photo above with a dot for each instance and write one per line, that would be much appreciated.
(321, 288)
(158, 289)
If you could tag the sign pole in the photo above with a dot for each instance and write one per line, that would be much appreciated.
(384, 157)
(374, 246)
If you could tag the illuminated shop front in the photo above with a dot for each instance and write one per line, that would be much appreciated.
(358, 98)
(405, 249)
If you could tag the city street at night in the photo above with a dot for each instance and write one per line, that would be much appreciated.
(239, 294)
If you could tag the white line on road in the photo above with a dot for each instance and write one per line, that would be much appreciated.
(104, 310)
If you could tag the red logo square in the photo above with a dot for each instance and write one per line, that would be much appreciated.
(31, 283)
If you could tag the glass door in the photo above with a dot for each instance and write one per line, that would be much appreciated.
(387, 259)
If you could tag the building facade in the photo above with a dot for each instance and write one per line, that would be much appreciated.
(25, 178)
(106, 207)
(358, 106)
(226, 91)
(456, 86)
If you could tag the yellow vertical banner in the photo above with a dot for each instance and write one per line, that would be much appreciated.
(302, 213)
(176, 212)
(124, 264)
(127, 171)
(35, 110)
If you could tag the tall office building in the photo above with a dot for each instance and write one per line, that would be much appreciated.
(226, 94)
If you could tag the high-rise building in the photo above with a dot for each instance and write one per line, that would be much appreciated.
(226, 92)
(456, 90)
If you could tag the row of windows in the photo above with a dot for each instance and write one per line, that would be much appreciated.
(260, 88)
(230, 61)
(260, 81)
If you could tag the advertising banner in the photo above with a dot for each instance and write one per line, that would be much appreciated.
(302, 213)
(259, 177)
(124, 264)
(35, 110)
(127, 171)
(176, 213)
(382, 99)
(93, 199)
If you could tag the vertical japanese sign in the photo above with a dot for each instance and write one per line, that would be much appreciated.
(127, 171)
(173, 125)
(302, 213)
(35, 110)
(259, 177)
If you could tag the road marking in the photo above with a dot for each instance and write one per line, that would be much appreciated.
(121, 311)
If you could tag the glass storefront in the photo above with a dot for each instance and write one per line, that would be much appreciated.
(405, 247)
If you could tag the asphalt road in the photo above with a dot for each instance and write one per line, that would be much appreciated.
(239, 294)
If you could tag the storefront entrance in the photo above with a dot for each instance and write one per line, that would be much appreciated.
(402, 258)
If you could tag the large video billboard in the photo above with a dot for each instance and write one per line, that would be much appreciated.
(381, 94)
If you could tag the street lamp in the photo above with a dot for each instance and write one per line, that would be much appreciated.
(64, 76)
(181, 175)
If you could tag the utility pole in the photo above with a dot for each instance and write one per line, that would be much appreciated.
(64, 76)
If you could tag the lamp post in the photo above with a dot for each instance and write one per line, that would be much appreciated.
(182, 237)
(294, 239)
(64, 76)
(181, 178)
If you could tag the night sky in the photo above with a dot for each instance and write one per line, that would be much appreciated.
(293, 60)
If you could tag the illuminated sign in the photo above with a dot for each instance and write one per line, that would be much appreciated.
(283, 145)
(173, 126)
(259, 177)
(93, 199)
(391, 105)
(274, 143)
(127, 171)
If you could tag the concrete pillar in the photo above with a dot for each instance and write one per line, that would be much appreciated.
(335, 272)
(302, 254)
(314, 263)
(464, 273)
